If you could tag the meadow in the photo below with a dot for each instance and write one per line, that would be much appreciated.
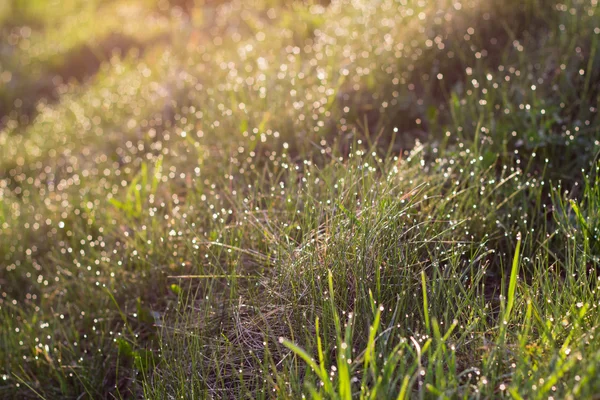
(370, 199)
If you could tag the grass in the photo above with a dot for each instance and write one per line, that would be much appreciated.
(265, 199)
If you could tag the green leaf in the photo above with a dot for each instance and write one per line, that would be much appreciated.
(175, 288)
(125, 349)
(512, 285)
(307, 359)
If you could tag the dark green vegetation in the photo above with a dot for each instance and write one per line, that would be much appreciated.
(264, 199)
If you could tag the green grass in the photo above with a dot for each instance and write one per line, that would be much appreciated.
(268, 199)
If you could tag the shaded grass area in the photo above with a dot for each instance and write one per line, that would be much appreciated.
(355, 199)
(50, 44)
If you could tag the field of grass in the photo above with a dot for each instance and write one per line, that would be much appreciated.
(374, 199)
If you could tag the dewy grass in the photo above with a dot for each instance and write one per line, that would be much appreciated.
(345, 199)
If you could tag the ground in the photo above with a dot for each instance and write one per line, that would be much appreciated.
(276, 199)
